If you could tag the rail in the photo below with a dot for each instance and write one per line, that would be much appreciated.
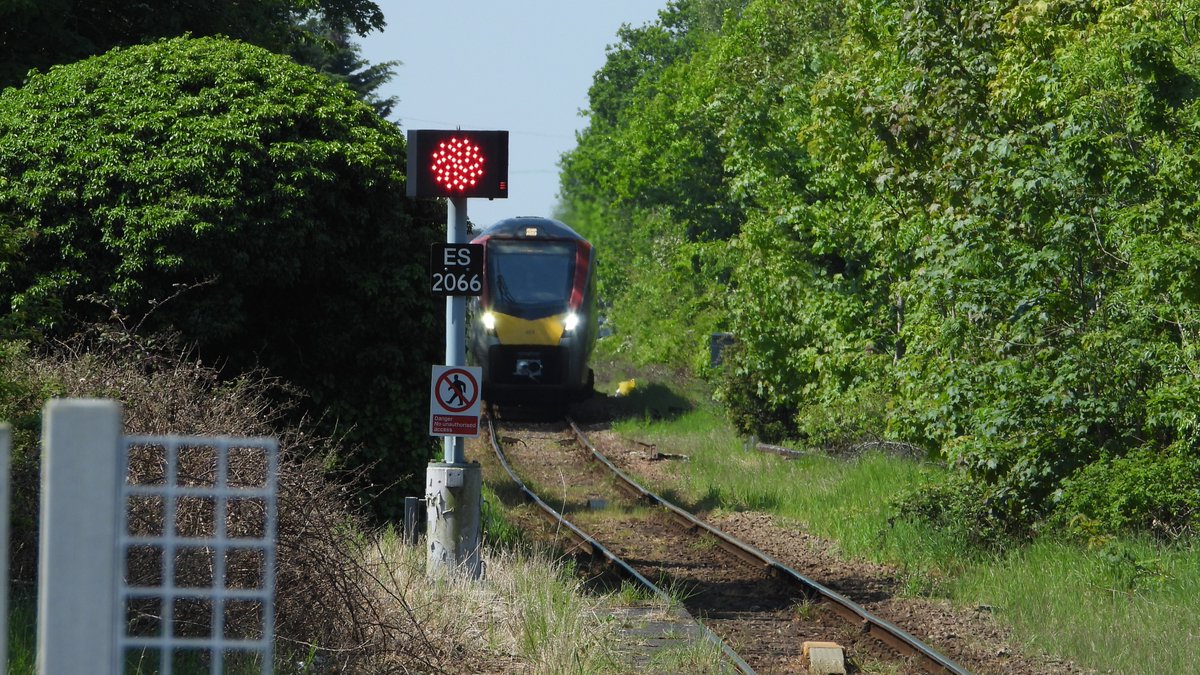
(880, 629)
(598, 550)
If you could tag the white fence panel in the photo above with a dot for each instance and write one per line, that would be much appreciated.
(162, 563)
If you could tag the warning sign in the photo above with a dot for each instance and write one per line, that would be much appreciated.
(454, 401)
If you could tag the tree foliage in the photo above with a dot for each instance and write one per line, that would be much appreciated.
(227, 193)
(968, 227)
(329, 48)
(38, 34)
(645, 182)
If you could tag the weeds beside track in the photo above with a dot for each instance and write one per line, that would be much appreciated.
(753, 601)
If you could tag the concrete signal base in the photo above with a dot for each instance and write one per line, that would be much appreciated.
(452, 509)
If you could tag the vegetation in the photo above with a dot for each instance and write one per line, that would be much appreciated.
(965, 228)
(324, 601)
(1074, 600)
(44, 33)
(349, 597)
(212, 188)
(329, 49)
(237, 221)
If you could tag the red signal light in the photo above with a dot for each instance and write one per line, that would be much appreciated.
(457, 163)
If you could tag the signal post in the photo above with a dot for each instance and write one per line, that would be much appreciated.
(456, 165)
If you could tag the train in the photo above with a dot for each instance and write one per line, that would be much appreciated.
(534, 325)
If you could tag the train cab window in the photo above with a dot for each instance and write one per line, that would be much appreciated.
(531, 279)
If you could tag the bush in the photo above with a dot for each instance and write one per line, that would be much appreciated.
(1145, 491)
(962, 508)
(749, 408)
(328, 599)
(969, 225)
(212, 188)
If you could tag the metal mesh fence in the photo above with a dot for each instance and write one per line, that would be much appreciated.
(196, 546)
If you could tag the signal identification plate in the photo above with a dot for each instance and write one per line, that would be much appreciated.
(455, 270)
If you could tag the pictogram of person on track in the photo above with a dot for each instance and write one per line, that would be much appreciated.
(458, 391)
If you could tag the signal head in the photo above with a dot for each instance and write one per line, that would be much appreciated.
(458, 163)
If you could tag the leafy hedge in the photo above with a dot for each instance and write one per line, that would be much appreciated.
(215, 189)
(968, 227)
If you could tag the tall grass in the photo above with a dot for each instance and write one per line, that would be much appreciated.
(349, 599)
(530, 614)
(847, 501)
(22, 629)
(1127, 606)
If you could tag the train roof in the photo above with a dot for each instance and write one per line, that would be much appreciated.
(526, 227)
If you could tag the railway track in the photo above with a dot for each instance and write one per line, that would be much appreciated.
(760, 611)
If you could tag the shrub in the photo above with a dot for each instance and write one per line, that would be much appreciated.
(964, 509)
(969, 225)
(328, 599)
(748, 406)
(212, 188)
(1145, 491)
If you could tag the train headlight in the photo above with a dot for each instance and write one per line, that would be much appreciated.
(489, 321)
(571, 322)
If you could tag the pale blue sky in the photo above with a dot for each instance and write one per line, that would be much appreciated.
(520, 65)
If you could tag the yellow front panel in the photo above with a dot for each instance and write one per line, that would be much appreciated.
(513, 331)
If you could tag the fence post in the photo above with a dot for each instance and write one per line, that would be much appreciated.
(411, 504)
(77, 555)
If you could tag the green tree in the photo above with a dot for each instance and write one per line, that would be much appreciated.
(213, 188)
(37, 34)
(330, 50)
(968, 227)
(646, 182)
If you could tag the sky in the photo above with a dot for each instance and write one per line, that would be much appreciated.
(520, 65)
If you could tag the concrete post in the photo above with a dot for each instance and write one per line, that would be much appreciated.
(77, 553)
(452, 507)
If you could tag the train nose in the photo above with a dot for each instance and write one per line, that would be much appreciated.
(531, 368)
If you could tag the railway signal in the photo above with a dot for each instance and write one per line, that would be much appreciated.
(455, 165)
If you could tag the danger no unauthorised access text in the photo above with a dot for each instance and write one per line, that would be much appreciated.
(456, 425)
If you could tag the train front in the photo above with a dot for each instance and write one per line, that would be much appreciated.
(534, 325)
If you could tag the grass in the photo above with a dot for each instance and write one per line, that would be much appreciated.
(806, 610)
(530, 614)
(697, 656)
(498, 531)
(536, 607)
(529, 609)
(358, 600)
(630, 594)
(22, 629)
(1128, 606)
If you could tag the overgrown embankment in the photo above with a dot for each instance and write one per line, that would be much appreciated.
(349, 597)
(1053, 605)
(969, 228)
